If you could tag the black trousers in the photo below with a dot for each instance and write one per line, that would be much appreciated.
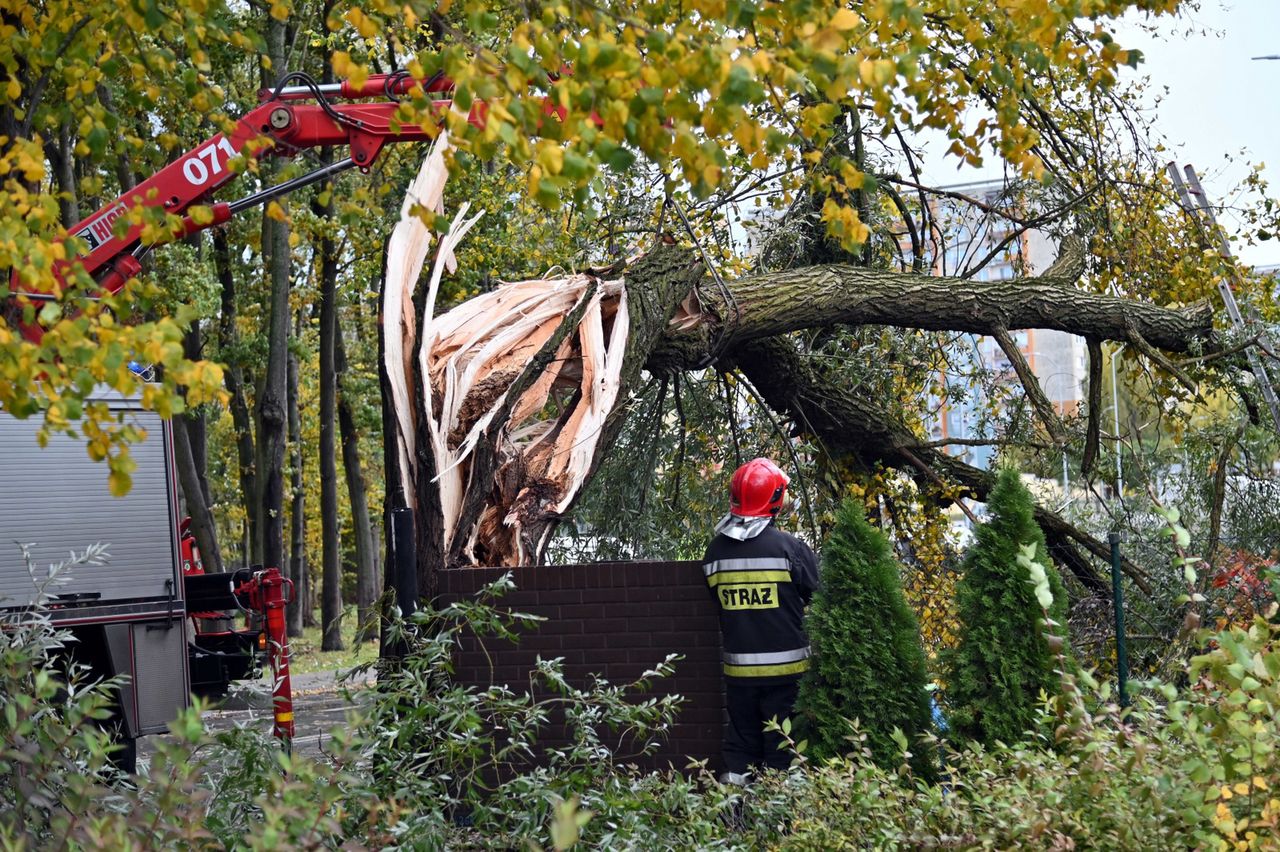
(750, 706)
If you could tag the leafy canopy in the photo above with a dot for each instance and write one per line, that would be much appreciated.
(711, 93)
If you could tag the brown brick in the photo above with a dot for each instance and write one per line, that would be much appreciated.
(561, 626)
(582, 611)
(657, 628)
(631, 639)
(603, 594)
(541, 642)
(560, 596)
(606, 626)
(587, 641)
(606, 657)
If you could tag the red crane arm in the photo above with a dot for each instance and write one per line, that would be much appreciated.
(280, 126)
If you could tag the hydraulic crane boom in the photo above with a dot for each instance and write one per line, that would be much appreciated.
(280, 126)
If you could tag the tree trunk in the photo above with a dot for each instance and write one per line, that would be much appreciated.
(202, 524)
(272, 401)
(392, 493)
(233, 375)
(59, 151)
(296, 613)
(189, 456)
(331, 543)
(366, 552)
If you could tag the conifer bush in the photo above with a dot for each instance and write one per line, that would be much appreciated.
(869, 663)
(1002, 661)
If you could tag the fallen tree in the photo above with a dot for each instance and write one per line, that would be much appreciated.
(506, 405)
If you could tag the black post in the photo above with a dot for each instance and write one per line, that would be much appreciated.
(1117, 598)
(406, 560)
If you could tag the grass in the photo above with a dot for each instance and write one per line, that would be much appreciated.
(305, 654)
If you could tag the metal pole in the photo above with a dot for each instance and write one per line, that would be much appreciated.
(1115, 413)
(1117, 598)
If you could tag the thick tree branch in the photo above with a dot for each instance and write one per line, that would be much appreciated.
(781, 302)
(1138, 340)
(1035, 394)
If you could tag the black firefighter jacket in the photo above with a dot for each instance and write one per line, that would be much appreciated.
(762, 586)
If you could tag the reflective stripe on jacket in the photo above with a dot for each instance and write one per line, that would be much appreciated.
(762, 586)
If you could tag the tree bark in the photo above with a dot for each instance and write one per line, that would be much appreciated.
(272, 401)
(357, 494)
(189, 456)
(202, 524)
(331, 556)
(59, 152)
(233, 375)
(815, 296)
(297, 612)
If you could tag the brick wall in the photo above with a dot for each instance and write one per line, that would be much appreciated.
(614, 619)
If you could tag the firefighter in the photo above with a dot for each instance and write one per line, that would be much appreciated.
(762, 579)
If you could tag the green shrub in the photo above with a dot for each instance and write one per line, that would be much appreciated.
(1002, 663)
(869, 664)
(414, 767)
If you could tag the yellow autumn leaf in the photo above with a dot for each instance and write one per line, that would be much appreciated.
(550, 157)
(366, 26)
(275, 211)
(845, 20)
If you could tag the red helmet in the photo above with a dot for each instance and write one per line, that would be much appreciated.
(757, 489)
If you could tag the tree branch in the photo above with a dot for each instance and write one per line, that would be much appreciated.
(1153, 354)
(855, 427)
(1093, 408)
(1035, 394)
(1222, 462)
(817, 296)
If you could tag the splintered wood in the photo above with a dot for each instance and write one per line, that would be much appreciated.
(513, 416)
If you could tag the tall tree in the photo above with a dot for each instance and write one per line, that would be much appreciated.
(868, 663)
(367, 580)
(272, 403)
(241, 417)
(1003, 661)
(331, 544)
(297, 611)
(189, 457)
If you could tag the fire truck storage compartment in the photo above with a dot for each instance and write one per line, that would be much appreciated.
(56, 499)
(153, 654)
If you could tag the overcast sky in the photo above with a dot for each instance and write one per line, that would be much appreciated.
(1220, 103)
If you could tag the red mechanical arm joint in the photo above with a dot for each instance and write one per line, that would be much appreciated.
(268, 593)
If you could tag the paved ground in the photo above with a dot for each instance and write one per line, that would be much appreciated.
(318, 707)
